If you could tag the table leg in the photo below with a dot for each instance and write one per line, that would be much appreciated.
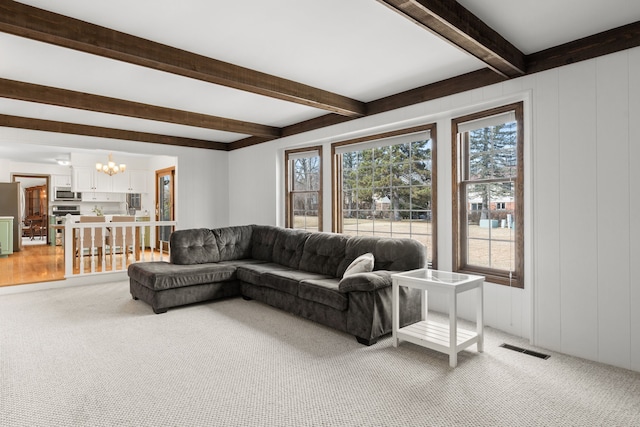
(395, 313)
(453, 330)
(480, 318)
(424, 301)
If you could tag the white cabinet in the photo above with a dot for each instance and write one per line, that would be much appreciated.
(87, 179)
(98, 196)
(134, 181)
(138, 181)
(61, 180)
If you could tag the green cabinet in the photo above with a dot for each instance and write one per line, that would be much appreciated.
(6, 236)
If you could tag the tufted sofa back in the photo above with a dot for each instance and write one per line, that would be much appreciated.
(234, 242)
(323, 253)
(393, 254)
(193, 246)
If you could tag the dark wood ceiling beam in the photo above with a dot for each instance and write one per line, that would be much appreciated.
(605, 43)
(451, 86)
(103, 132)
(41, 25)
(462, 83)
(84, 101)
(454, 23)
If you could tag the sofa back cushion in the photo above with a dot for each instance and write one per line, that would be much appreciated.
(262, 241)
(234, 242)
(288, 246)
(393, 254)
(323, 253)
(399, 254)
(193, 246)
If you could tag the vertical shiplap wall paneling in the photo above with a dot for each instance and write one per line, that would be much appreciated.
(613, 208)
(546, 214)
(634, 205)
(253, 185)
(578, 219)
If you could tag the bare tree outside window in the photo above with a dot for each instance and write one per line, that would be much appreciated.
(304, 189)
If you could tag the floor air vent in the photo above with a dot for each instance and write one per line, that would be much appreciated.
(525, 351)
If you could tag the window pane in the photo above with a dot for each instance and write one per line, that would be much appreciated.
(386, 189)
(305, 211)
(492, 152)
(422, 228)
(478, 252)
(306, 173)
(502, 254)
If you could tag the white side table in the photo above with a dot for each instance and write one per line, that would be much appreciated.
(448, 339)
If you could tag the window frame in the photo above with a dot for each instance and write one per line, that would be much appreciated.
(290, 192)
(459, 200)
(336, 180)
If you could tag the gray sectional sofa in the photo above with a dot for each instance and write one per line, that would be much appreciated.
(297, 271)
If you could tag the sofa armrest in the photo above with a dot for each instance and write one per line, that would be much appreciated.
(366, 281)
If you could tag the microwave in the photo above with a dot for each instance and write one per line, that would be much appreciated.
(65, 194)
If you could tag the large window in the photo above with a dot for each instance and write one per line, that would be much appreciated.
(488, 194)
(304, 188)
(384, 186)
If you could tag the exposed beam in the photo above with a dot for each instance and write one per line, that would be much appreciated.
(454, 23)
(103, 132)
(605, 43)
(461, 83)
(41, 25)
(464, 82)
(84, 101)
(247, 142)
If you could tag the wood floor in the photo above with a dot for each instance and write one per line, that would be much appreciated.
(33, 264)
(42, 263)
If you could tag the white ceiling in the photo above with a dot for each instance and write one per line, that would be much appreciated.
(357, 48)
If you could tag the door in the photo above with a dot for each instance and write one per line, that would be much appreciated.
(165, 205)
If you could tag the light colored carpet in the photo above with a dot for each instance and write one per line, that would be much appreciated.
(91, 356)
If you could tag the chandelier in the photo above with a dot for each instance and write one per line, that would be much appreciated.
(110, 168)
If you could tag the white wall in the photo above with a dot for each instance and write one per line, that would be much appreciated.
(582, 296)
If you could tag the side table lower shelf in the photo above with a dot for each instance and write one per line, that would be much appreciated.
(446, 338)
(435, 336)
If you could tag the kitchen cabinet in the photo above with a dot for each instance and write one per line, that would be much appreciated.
(99, 196)
(130, 181)
(6, 235)
(61, 181)
(87, 179)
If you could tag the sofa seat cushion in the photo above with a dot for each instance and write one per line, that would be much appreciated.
(251, 273)
(323, 291)
(160, 275)
(287, 280)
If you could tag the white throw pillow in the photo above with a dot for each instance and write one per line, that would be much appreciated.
(362, 264)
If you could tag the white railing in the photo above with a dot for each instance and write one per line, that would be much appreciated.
(110, 247)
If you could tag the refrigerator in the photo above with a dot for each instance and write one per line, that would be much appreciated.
(11, 205)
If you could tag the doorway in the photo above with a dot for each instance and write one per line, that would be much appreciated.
(165, 205)
(34, 208)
